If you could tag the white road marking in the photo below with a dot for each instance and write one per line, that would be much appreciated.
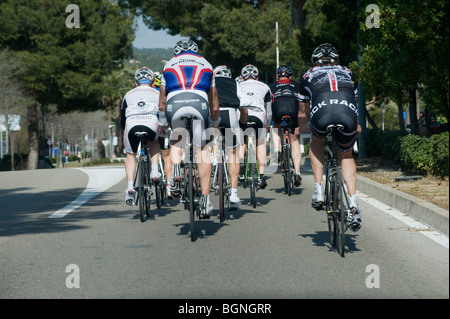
(100, 179)
(424, 229)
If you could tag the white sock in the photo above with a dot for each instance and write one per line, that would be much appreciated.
(130, 186)
(233, 192)
(155, 170)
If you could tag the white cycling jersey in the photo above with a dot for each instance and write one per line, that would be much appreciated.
(257, 97)
(139, 113)
(140, 101)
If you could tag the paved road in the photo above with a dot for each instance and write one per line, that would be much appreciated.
(100, 249)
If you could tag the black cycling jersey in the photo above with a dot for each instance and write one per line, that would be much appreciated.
(227, 92)
(285, 100)
(330, 78)
(331, 91)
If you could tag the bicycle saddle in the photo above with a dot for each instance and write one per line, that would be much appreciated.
(338, 127)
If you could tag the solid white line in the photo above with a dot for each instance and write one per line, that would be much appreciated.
(424, 229)
(100, 179)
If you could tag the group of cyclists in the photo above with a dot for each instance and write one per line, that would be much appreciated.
(189, 85)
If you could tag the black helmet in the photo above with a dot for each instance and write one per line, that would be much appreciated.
(325, 53)
(185, 45)
(284, 70)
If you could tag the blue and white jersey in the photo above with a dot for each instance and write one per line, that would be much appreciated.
(187, 71)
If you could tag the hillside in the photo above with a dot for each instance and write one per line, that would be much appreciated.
(152, 58)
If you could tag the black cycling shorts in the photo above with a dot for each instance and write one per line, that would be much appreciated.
(134, 141)
(254, 126)
(335, 108)
(286, 106)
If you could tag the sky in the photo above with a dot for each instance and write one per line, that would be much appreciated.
(146, 38)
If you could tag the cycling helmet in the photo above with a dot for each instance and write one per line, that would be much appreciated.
(249, 71)
(284, 70)
(157, 82)
(324, 53)
(238, 79)
(185, 45)
(144, 76)
(222, 71)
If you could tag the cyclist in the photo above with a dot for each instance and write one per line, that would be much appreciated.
(165, 149)
(139, 114)
(257, 97)
(184, 91)
(229, 95)
(286, 102)
(332, 91)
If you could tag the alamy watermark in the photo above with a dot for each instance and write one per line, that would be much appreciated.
(73, 19)
(373, 279)
(73, 280)
(373, 19)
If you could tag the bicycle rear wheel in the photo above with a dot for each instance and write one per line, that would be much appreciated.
(330, 191)
(142, 194)
(158, 194)
(340, 221)
(287, 172)
(221, 181)
(253, 181)
(190, 183)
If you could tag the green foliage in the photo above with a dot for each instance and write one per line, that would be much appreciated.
(230, 32)
(64, 65)
(385, 143)
(426, 154)
(422, 155)
(409, 51)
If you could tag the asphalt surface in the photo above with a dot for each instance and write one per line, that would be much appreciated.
(278, 250)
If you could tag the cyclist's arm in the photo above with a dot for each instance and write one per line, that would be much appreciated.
(213, 99)
(162, 98)
(243, 115)
(303, 111)
(122, 114)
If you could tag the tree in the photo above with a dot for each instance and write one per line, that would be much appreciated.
(14, 99)
(408, 53)
(234, 32)
(64, 65)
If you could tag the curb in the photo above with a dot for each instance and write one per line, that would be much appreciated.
(426, 212)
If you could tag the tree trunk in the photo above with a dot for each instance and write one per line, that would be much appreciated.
(371, 121)
(413, 112)
(401, 120)
(33, 140)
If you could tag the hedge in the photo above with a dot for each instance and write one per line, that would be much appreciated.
(422, 155)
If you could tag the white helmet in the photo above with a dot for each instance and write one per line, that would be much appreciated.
(144, 76)
(249, 71)
(185, 45)
(222, 71)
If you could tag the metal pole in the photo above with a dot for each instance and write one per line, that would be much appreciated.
(276, 39)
